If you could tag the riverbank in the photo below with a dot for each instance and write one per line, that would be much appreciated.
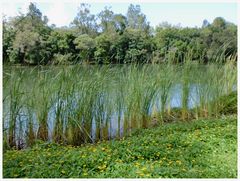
(75, 105)
(195, 149)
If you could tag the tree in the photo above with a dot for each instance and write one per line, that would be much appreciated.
(34, 13)
(136, 19)
(8, 38)
(29, 44)
(174, 43)
(219, 23)
(61, 42)
(205, 23)
(86, 46)
(219, 39)
(85, 22)
(119, 48)
(120, 23)
(102, 54)
(106, 20)
(140, 46)
(27, 39)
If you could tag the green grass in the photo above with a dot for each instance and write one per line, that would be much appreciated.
(196, 149)
(80, 96)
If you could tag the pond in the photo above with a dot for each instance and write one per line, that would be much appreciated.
(80, 104)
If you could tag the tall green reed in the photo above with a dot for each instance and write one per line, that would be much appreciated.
(83, 103)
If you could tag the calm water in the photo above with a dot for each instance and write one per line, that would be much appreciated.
(175, 101)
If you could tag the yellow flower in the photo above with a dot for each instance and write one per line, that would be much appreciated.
(179, 162)
(102, 167)
(144, 169)
(129, 151)
(63, 172)
(137, 164)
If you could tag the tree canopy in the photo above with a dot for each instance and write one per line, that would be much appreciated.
(113, 38)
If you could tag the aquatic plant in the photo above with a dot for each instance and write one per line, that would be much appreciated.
(81, 104)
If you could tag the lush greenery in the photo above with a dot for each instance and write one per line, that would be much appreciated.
(112, 38)
(62, 104)
(113, 120)
(196, 149)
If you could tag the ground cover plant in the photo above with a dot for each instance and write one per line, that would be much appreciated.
(196, 149)
(63, 121)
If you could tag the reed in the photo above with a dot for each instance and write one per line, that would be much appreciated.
(166, 78)
(43, 103)
(85, 104)
(14, 103)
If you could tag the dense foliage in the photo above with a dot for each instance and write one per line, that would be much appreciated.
(198, 149)
(112, 38)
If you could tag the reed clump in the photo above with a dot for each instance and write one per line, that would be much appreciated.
(81, 104)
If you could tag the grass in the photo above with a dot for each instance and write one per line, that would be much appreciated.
(196, 149)
(63, 104)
